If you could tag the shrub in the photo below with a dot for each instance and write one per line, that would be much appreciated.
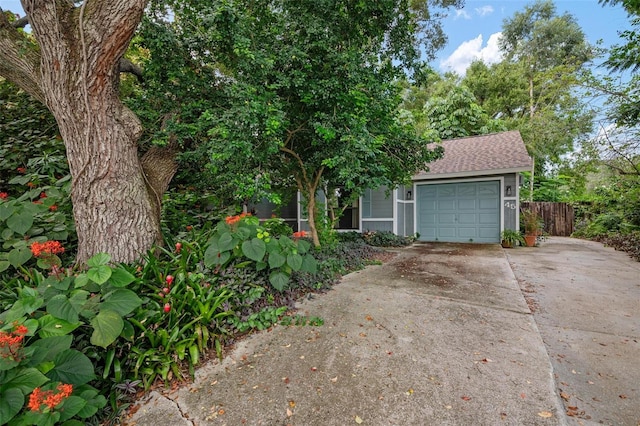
(43, 329)
(628, 242)
(386, 239)
(277, 227)
(242, 237)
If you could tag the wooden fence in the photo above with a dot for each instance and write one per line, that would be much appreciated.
(558, 218)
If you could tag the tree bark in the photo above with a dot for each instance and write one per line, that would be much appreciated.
(74, 70)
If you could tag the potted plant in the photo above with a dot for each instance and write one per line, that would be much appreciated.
(532, 226)
(511, 238)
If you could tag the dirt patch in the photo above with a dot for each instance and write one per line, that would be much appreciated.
(414, 270)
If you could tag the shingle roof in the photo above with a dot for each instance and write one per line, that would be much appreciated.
(480, 155)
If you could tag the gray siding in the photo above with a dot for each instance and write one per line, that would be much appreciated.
(510, 204)
(376, 204)
(377, 225)
(405, 218)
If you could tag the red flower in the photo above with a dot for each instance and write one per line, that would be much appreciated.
(4, 195)
(43, 194)
(167, 308)
(49, 398)
(31, 184)
(231, 220)
(169, 280)
(48, 247)
(53, 208)
(178, 247)
(299, 234)
(22, 170)
(37, 202)
(166, 290)
(189, 227)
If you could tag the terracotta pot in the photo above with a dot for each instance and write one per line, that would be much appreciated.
(530, 240)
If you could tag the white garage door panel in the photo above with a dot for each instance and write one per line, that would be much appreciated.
(459, 212)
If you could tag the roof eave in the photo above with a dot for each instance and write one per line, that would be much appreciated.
(471, 173)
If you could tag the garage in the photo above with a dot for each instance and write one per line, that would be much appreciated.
(459, 212)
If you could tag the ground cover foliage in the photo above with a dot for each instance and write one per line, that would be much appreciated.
(77, 345)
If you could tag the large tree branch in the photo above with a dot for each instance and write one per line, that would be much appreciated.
(19, 59)
(109, 26)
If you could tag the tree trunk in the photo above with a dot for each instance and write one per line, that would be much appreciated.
(312, 210)
(75, 71)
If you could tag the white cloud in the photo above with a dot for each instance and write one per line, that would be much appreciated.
(484, 10)
(471, 50)
(461, 13)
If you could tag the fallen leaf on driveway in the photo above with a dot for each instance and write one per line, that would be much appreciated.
(466, 398)
(565, 396)
(369, 318)
(335, 379)
(545, 414)
(289, 413)
(358, 420)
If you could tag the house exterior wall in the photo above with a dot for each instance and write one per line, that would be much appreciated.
(509, 201)
(377, 210)
(396, 211)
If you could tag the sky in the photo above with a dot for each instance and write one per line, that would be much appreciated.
(473, 31)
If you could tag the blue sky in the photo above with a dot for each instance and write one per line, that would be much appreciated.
(474, 30)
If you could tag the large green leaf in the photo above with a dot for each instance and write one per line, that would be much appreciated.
(309, 264)
(20, 222)
(107, 326)
(279, 280)
(276, 260)
(60, 307)
(4, 265)
(226, 242)
(71, 406)
(11, 402)
(51, 326)
(99, 259)
(26, 380)
(122, 301)
(72, 366)
(120, 277)
(6, 210)
(213, 256)
(18, 256)
(254, 249)
(46, 349)
(303, 246)
(294, 261)
(99, 274)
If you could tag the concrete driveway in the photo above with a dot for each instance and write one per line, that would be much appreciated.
(440, 335)
(586, 303)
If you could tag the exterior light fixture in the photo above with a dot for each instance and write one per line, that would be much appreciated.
(508, 191)
(409, 195)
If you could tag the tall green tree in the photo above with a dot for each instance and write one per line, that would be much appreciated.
(310, 94)
(543, 53)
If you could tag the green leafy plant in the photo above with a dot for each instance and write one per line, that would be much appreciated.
(386, 239)
(41, 213)
(511, 238)
(39, 328)
(531, 221)
(243, 237)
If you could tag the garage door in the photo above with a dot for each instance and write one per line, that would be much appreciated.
(459, 212)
